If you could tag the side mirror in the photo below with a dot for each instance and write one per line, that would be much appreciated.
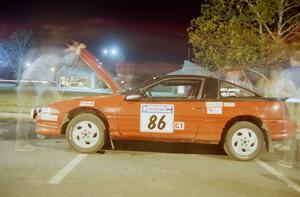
(133, 97)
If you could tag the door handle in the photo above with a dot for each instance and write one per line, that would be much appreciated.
(196, 108)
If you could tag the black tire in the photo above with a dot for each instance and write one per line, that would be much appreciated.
(240, 141)
(86, 133)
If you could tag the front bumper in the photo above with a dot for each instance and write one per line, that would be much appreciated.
(47, 124)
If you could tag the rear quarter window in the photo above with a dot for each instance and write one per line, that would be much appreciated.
(229, 90)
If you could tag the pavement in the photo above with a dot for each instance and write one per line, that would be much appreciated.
(137, 169)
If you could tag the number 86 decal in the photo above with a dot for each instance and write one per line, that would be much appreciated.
(161, 123)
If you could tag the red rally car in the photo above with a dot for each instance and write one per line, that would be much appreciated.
(173, 108)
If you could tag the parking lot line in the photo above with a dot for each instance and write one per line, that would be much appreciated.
(66, 170)
(279, 175)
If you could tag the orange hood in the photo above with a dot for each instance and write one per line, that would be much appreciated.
(95, 65)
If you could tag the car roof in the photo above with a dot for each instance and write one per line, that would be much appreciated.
(200, 77)
(182, 76)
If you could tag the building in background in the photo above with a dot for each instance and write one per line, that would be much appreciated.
(189, 68)
(79, 78)
(130, 75)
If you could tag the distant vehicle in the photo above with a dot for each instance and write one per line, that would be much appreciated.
(173, 108)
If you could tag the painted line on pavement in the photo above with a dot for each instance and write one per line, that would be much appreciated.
(279, 175)
(56, 179)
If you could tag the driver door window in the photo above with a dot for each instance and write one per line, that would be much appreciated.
(174, 89)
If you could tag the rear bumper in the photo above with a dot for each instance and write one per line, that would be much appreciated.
(277, 131)
(282, 130)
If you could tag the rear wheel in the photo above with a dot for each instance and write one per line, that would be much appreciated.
(243, 141)
(86, 133)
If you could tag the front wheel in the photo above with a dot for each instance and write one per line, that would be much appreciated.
(86, 133)
(243, 141)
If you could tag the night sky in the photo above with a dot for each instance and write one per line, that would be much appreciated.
(144, 31)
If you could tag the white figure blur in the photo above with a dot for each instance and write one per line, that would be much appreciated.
(36, 83)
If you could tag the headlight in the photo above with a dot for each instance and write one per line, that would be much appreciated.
(49, 114)
(48, 110)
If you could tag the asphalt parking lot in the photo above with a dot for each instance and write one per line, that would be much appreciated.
(137, 169)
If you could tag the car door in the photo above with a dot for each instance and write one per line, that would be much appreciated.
(168, 109)
(223, 101)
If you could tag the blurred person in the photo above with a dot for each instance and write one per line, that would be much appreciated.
(37, 82)
(269, 85)
(288, 85)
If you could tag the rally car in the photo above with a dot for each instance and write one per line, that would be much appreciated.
(172, 108)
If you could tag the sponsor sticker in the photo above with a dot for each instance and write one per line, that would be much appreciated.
(87, 103)
(230, 92)
(214, 110)
(214, 104)
(214, 107)
(157, 118)
(229, 104)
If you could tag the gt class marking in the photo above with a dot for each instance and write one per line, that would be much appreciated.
(178, 125)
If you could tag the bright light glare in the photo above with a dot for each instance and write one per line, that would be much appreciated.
(105, 51)
(52, 69)
(114, 51)
(27, 64)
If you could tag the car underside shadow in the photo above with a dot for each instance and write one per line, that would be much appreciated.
(169, 147)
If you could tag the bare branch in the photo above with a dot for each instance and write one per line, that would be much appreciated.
(289, 20)
(259, 20)
(288, 8)
(280, 16)
(251, 26)
(269, 31)
(14, 51)
(293, 27)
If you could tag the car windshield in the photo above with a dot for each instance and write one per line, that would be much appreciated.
(136, 87)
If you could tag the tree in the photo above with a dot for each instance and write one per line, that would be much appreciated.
(243, 33)
(16, 49)
(275, 21)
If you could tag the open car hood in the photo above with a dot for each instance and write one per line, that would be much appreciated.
(95, 65)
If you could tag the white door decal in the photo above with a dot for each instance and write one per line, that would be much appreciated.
(157, 118)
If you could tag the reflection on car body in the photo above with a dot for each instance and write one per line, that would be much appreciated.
(172, 108)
